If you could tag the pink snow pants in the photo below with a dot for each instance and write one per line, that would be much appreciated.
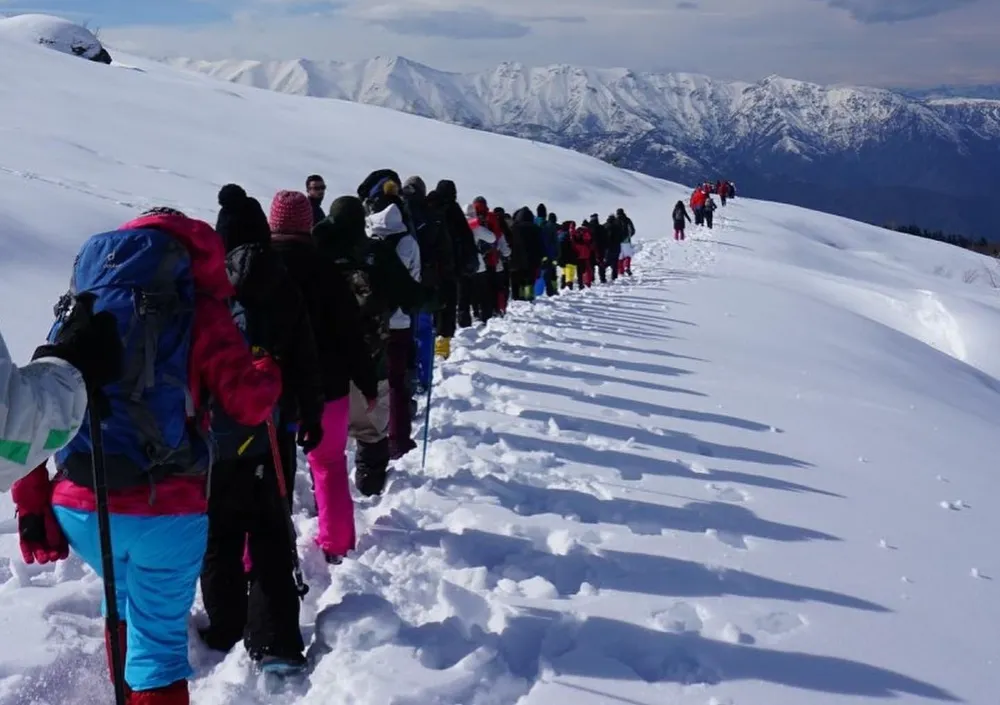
(331, 485)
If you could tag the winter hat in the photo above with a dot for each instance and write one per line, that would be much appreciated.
(542, 212)
(415, 186)
(241, 219)
(163, 210)
(348, 214)
(291, 213)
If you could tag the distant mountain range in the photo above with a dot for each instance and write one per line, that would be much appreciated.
(927, 158)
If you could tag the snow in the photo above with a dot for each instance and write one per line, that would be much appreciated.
(54, 32)
(755, 473)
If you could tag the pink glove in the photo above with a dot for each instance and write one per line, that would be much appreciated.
(42, 540)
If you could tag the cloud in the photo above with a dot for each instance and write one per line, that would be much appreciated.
(474, 23)
(889, 11)
(826, 41)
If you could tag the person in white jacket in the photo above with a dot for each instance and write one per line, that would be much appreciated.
(43, 403)
(387, 223)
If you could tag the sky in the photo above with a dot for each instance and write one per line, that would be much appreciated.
(904, 43)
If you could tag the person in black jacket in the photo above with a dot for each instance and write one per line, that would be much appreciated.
(466, 258)
(355, 257)
(245, 504)
(529, 236)
(316, 190)
(601, 241)
(344, 358)
(616, 236)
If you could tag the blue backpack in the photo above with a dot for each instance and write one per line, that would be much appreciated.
(144, 278)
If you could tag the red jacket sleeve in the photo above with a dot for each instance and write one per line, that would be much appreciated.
(221, 361)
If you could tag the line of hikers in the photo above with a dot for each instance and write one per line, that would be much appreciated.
(209, 355)
(702, 205)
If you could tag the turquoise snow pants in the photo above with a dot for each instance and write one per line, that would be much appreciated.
(157, 563)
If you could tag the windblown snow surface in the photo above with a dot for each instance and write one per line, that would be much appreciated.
(759, 473)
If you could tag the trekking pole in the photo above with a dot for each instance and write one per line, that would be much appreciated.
(300, 584)
(427, 413)
(112, 619)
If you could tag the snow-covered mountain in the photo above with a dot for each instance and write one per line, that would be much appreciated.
(757, 473)
(867, 153)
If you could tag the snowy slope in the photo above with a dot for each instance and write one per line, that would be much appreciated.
(867, 153)
(756, 473)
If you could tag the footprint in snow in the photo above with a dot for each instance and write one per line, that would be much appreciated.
(729, 538)
(779, 623)
(728, 494)
(680, 618)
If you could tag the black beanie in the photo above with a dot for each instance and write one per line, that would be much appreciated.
(241, 220)
(348, 214)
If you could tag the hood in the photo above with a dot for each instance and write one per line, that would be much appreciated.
(342, 235)
(254, 273)
(241, 219)
(447, 190)
(388, 221)
(415, 187)
(524, 216)
(208, 259)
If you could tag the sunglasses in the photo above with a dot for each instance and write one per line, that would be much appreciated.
(317, 187)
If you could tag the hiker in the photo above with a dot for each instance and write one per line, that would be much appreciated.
(709, 211)
(156, 473)
(698, 205)
(530, 236)
(548, 225)
(601, 241)
(495, 255)
(481, 296)
(380, 283)
(722, 188)
(437, 264)
(499, 222)
(464, 288)
(43, 402)
(616, 235)
(385, 221)
(343, 357)
(680, 215)
(586, 257)
(246, 505)
(567, 254)
(316, 190)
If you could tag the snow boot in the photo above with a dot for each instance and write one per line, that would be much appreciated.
(174, 694)
(282, 666)
(442, 348)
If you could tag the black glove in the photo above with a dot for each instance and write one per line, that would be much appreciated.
(309, 436)
(89, 342)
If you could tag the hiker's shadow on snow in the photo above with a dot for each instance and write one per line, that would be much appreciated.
(631, 350)
(600, 648)
(569, 359)
(640, 517)
(631, 405)
(517, 559)
(588, 377)
(632, 467)
(637, 465)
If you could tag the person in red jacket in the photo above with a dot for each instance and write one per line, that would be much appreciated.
(159, 524)
(586, 254)
(698, 199)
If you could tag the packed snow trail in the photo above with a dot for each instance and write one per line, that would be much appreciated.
(570, 448)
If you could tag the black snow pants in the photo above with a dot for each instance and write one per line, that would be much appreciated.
(445, 319)
(261, 607)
